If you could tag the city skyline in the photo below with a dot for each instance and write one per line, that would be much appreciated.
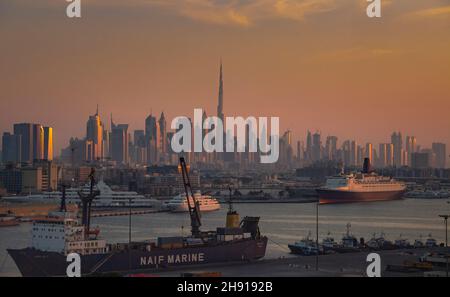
(336, 67)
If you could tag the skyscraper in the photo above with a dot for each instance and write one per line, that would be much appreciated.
(369, 152)
(94, 133)
(308, 156)
(152, 139)
(11, 148)
(397, 141)
(162, 134)
(386, 154)
(440, 150)
(331, 147)
(119, 143)
(48, 143)
(38, 142)
(25, 130)
(316, 147)
(220, 114)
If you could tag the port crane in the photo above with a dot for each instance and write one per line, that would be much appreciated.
(86, 201)
(193, 204)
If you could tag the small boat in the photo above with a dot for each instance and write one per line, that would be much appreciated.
(329, 244)
(349, 243)
(402, 243)
(380, 243)
(306, 247)
(431, 242)
(418, 243)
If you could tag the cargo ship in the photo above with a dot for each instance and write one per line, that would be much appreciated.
(62, 233)
(361, 187)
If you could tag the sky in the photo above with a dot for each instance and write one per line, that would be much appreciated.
(317, 64)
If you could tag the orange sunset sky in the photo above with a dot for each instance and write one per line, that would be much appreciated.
(317, 64)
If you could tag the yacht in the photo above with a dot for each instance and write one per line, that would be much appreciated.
(106, 198)
(180, 204)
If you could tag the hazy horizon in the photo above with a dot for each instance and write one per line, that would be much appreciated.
(317, 64)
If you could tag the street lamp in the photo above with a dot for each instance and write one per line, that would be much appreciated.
(445, 217)
(317, 235)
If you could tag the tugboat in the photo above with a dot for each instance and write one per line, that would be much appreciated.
(305, 247)
(61, 234)
(328, 244)
(349, 243)
(380, 243)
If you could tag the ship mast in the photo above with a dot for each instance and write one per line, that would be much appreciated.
(193, 205)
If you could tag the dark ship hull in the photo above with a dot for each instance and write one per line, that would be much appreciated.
(34, 263)
(332, 196)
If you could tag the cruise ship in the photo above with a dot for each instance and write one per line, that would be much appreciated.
(106, 198)
(361, 187)
(179, 203)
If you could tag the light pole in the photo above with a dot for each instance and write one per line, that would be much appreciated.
(445, 217)
(317, 234)
(129, 234)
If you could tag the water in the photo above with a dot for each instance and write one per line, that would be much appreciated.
(282, 223)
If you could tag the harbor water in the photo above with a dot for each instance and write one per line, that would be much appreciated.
(282, 223)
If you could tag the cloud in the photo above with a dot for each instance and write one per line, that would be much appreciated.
(354, 54)
(433, 12)
(245, 12)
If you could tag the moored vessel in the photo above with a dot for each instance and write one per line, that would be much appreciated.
(61, 234)
(362, 187)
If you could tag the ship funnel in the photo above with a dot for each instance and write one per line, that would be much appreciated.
(367, 166)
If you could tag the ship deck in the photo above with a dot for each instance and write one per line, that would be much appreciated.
(348, 264)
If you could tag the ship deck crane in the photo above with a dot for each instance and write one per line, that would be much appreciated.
(86, 201)
(193, 205)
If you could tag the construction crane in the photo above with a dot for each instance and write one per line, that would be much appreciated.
(193, 204)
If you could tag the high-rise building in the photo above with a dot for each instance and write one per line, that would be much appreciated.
(220, 114)
(331, 148)
(440, 150)
(94, 133)
(11, 148)
(48, 143)
(38, 142)
(386, 155)
(397, 141)
(411, 147)
(162, 134)
(316, 147)
(353, 153)
(421, 160)
(119, 143)
(25, 130)
(308, 154)
(369, 152)
(153, 139)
